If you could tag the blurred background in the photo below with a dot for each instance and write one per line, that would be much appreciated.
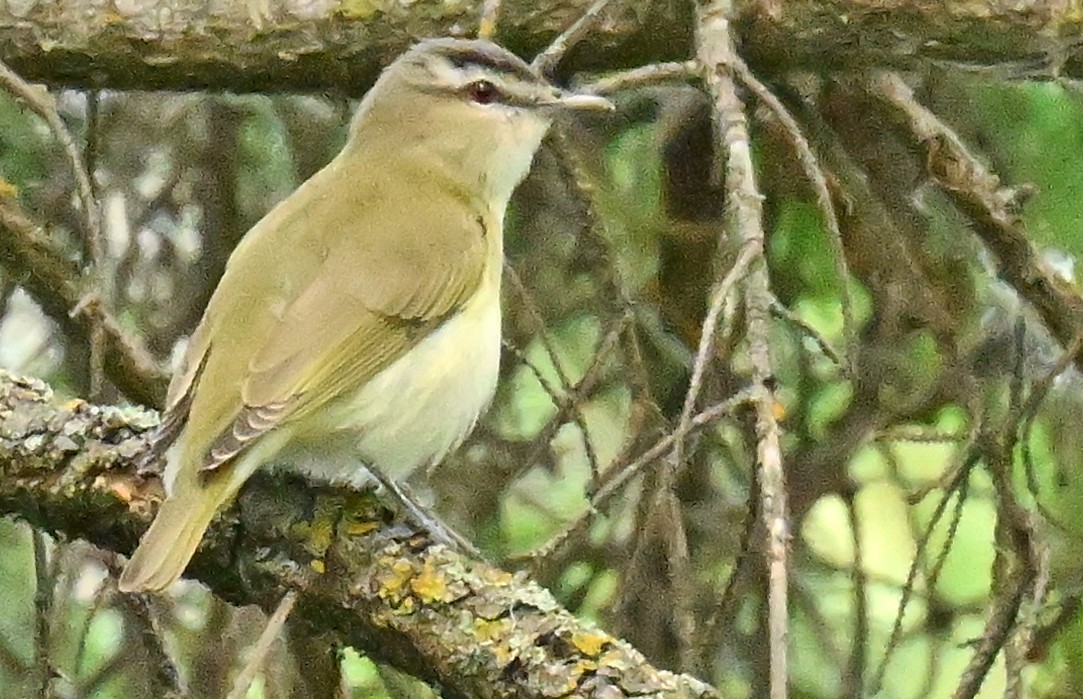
(905, 532)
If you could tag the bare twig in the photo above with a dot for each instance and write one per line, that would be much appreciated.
(44, 105)
(1018, 558)
(723, 609)
(933, 576)
(263, 646)
(855, 673)
(96, 252)
(54, 283)
(147, 615)
(1018, 647)
(622, 475)
(550, 57)
(45, 577)
(80, 654)
(706, 345)
(1027, 411)
(716, 51)
(958, 482)
(780, 310)
(651, 74)
(106, 672)
(994, 212)
(814, 173)
(490, 12)
(571, 402)
(917, 433)
(565, 403)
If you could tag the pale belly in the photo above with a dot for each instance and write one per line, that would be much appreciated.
(413, 413)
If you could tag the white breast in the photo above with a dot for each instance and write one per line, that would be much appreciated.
(418, 409)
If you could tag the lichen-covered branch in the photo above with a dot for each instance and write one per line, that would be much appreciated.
(338, 45)
(375, 583)
(1030, 38)
(315, 45)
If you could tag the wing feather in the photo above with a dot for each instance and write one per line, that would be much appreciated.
(281, 338)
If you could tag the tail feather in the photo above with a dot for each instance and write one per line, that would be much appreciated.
(173, 537)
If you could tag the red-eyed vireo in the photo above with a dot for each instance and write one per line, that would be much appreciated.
(358, 323)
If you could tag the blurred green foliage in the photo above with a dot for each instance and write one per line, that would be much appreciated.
(1031, 134)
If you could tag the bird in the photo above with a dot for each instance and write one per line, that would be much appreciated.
(356, 328)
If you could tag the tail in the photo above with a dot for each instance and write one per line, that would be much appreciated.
(173, 537)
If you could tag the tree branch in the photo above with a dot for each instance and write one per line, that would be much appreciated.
(472, 629)
(54, 281)
(995, 212)
(247, 46)
(271, 47)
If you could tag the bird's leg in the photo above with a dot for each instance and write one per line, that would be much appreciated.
(425, 518)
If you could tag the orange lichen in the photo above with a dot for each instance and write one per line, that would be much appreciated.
(430, 585)
(590, 644)
(486, 630)
(360, 528)
(395, 575)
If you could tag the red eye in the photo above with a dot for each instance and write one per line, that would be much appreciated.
(482, 92)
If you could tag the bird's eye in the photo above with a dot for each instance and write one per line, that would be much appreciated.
(482, 92)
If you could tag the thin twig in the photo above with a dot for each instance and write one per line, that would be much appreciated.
(1016, 527)
(83, 636)
(917, 433)
(44, 105)
(706, 345)
(814, 173)
(959, 479)
(1039, 390)
(45, 578)
(723, 609)
(933, 576)
(569, 404)
(96, 254)
(263, 645)
(717, 53)
(855, 672)
(815, 335)
(622, 475)
(490, 12)
(147, 616)
(104, 673)
(1028, 622)
(550, 57)
(650, 74)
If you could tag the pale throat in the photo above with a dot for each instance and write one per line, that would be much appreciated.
(508, 154)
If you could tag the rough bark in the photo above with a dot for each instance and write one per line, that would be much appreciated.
(463, 625)
(282, 45)
(338, 45)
